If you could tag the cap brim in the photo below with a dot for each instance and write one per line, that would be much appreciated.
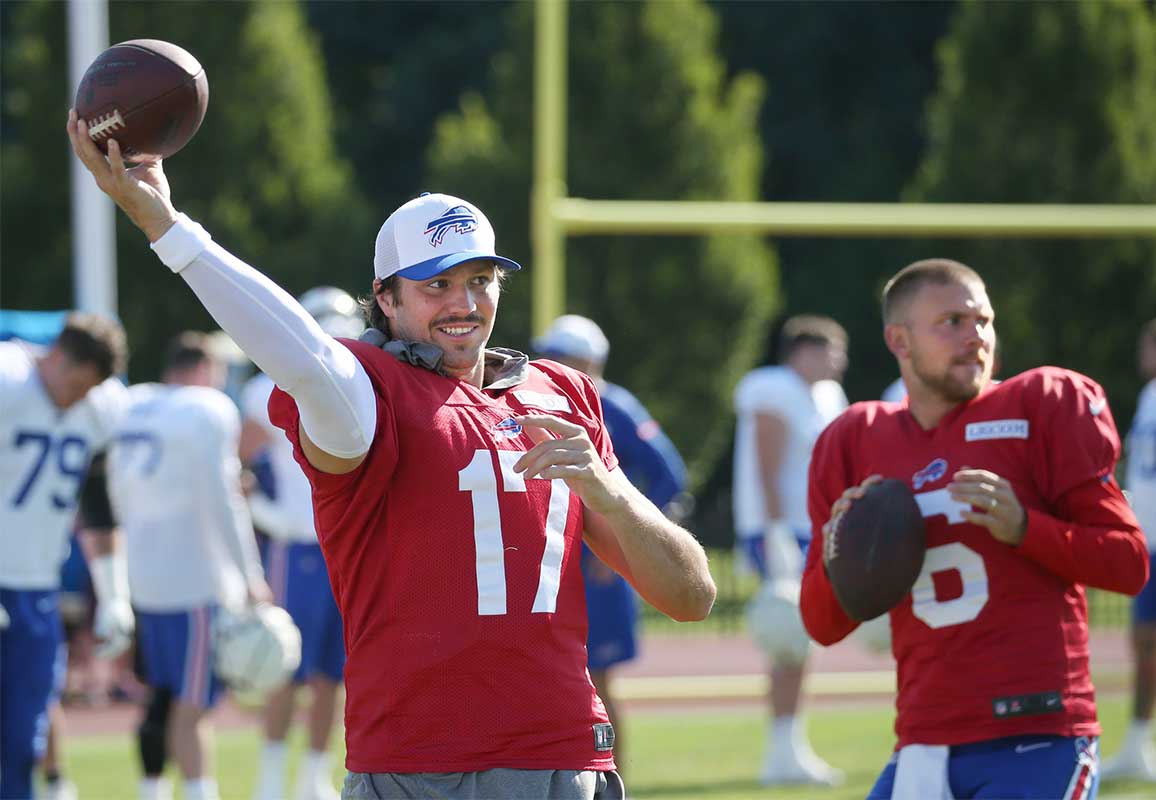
(436, 266)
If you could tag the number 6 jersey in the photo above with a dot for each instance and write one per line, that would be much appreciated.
(458, 579)
(992, 640)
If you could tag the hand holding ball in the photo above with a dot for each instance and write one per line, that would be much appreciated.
(147, 94)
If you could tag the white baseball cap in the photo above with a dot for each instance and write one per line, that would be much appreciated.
(431, 234)
(573, 336)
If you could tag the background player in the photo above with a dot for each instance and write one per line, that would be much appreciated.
(295, 569)
(452, 484)
(1016, 486)
(174, 482)
(57, 408)
(651, 462)
(1137, 756)
(781, 411)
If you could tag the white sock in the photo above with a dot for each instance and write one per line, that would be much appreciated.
(202, 789)
(1139, 733)
(271, 772)
(785, 732)
(316, 766)
(155, 789)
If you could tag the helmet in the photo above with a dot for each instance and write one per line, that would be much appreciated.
(774, 621)
(335, 311)
(256, 650)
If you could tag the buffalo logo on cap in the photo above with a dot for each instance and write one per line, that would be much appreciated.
(458, 219)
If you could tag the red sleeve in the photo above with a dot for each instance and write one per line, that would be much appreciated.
(1094, 538)
(830, 475)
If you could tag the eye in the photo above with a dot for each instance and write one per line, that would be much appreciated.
(438, 283)
(482, 280)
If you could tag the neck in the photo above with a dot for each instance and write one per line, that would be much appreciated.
(475, 374)
(928, 409)
(801, 373)
(44, 370)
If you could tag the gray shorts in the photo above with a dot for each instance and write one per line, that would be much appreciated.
(492, 784)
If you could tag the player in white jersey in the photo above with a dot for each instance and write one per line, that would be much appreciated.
(1137, 756)
(57, 408)
(781, 412)
(174, 482)
(296, 573)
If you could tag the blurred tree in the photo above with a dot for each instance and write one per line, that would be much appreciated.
(651, 116)
(1053, 103)
(393, 69)
(847, 86)
(261, 173)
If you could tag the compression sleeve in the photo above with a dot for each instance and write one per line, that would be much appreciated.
(331, 388)
(95, 508)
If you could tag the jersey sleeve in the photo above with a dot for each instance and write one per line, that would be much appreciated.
(1093, 537)
(761, 391)
(284, 414)
(222, 471)
(831, 473)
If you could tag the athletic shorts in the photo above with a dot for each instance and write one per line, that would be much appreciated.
(612, 612)
(1039, 766)
(508, 784)
(177, 651)
(753, 550)
(296, 574)
(1144, 604)
(33, 660)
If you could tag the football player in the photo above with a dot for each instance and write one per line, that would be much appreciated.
(57, 408)
(452, 485)
(780, 412)
(174, 483)
(1016, 486)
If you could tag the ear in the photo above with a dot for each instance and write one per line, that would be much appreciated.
(896, 337)
(384, 299)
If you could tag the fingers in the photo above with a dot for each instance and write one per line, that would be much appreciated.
(537, 424)
(554, 452)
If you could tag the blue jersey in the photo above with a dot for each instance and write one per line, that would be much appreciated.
(645, 454)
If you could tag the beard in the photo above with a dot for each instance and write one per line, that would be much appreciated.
(946, 385)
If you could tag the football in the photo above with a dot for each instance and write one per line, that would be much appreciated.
(874, 551)
(147, 94)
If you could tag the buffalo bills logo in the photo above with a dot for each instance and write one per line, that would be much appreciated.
(458, 219)
(507, 429)
(929, 474)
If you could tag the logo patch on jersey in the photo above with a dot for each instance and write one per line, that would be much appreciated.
(458, 219)
(507, 429)
(603, 737)
(1026, 705)
(549, 402)
(996, 429)
(929, 474)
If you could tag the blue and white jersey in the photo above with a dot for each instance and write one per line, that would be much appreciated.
(174, 479)
(45, 453)
(806, 409)
(291, 519)
(645, 454)
(1140, 478)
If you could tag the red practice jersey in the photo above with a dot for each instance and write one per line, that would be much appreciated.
(459, 581)
(992, 640)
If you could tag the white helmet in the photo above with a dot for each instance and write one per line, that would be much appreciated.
(335, 310)
(258, 649)
(774, 621)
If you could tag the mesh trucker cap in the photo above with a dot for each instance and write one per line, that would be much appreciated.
(431, 234)
(572, 336)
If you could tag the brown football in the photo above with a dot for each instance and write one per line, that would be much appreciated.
(874, 552)
(147, 94)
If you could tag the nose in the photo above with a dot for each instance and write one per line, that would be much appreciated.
(461, 299)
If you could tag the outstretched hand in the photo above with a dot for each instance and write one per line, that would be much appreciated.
(564, 450)
(142, 192)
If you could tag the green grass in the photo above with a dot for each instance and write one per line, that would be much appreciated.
(706, 755)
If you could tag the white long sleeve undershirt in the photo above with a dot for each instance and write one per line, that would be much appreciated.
(333, 392)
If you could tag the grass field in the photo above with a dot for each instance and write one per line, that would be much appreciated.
(697, 755)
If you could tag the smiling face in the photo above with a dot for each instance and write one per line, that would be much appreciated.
(453, 310)
(945, 341)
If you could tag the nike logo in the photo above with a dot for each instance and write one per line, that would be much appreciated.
(1097, 405)
(1027, 748)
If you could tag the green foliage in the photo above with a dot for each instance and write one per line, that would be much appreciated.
(1053, 103)
(261, 173)
(651, 115)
